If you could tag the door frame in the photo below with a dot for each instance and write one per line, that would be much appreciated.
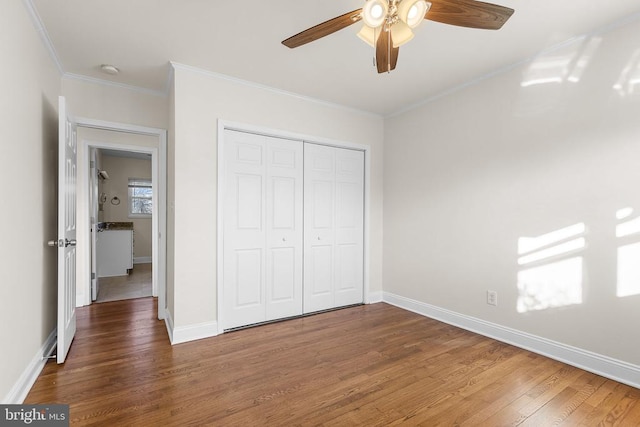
(159, 213)
(264, 131)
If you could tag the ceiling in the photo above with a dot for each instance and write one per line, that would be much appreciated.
(242, 40)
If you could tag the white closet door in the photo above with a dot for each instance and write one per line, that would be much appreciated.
(334, 233)
(284, 228)
(349, 227)
(262, 219)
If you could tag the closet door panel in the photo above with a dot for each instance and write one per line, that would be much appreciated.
(349, 230)
(248, 289)
(333, 211)
(244, 230)
(319, 200)
(284, 228)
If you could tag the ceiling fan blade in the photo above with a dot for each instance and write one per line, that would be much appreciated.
(323, 29)
(469, 13)
(386, 54)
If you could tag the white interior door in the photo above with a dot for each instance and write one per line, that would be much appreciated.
(262, 226)
(66, 242)
(333, 227)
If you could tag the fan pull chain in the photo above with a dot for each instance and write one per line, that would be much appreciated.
(375, 43)
(389, 49)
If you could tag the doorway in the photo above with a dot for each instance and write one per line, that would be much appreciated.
(121, 201)
(129, 140)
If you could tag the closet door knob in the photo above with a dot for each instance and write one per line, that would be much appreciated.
(284, 239)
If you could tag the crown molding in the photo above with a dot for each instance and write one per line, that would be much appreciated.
(271, 89)
(94, 80)
(43, 34)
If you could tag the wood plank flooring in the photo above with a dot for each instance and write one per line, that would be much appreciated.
(373, 365)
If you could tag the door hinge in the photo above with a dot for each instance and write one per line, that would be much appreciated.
(93, 276)
(92, 164)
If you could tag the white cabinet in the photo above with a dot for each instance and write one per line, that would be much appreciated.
(114, 252)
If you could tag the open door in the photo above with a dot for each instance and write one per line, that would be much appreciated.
(66, 241)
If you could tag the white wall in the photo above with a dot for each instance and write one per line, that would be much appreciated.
(200, 101)
(522, 154)
(29, 84)
(115, 104)
(120, 169)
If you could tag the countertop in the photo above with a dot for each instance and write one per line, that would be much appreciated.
(105, 226)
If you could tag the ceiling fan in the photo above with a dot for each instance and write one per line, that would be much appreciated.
(388, 24)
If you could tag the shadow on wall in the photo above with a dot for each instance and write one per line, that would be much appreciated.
(49, 215)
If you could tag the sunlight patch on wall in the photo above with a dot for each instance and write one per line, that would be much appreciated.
(624, 213)
(551, 281)
(529, 244)
(629, 77)
(563, 248)
(628, 254)
(628, 270)
(628, 228)
(558, 284)
(564, 64)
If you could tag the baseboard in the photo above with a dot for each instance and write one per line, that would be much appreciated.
(142, 260)
(182, 334)
(21, 388)
(617, 370)
(374, 297)
(168, 321)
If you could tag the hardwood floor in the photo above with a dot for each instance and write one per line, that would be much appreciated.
(373, 365)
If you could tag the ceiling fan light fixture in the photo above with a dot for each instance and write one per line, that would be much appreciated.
(374, 12)
(412, 12)
(400, 33)
(368, 35)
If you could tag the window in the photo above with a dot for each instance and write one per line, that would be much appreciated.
(140, 198)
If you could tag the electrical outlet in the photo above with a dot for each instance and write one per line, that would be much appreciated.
(492, 298)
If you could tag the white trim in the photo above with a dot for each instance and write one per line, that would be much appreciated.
(182, 334)
(283, 134)
(303, 138)
(168, 321)
(170, 77)
(219, 226)
(21, 388)
(142, 260)
(159, 176)
(608, 367)
(95, 80)
(259, 86)
(42, 32)
(374, 297)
